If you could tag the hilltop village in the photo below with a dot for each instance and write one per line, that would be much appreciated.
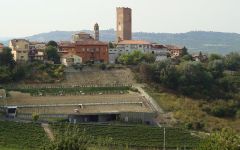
(128, 94)
(86, 48)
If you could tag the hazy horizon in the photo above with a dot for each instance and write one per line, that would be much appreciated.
(27, 17)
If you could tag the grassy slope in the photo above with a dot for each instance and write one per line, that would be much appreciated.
(188, 110)
(140, 136)
(24, 136)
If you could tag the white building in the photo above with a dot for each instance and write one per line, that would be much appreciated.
(128, 46)
(70, 59)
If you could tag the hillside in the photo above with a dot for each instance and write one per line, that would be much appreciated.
(195, 41)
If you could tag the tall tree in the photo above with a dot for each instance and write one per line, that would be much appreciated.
(227, 139)
(52, 43)
(52, 54)
(232, 61)
(6, 58)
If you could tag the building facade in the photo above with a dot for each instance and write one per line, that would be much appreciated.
(20, 49)
(124, 24)
(86, 48)
(128, 46)
(36, 51)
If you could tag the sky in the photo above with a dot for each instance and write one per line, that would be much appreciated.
(21, 18)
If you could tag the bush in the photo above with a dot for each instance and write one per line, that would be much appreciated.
(35, 117)
(103, 66)
(238, 114)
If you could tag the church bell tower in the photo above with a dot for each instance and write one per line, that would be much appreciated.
(96, 32)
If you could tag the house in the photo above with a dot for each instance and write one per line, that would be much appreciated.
(70, 59)
(160, 51)
(84, 48)
(36, 51)
(1, 47)
(20, 49)
(174, 51)
(128, 46)
(200, 57)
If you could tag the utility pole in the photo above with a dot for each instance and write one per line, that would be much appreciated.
(164, 139)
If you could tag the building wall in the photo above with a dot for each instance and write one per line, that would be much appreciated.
(93, 52)
(20, 50)
(124, 24)
(96, 53)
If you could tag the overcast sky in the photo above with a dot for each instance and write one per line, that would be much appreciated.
(28, 17)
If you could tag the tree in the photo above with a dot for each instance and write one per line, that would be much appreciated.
(216, 67)
(6, 58)
(215, 57)
(168, 75)
(184, 51)
(111, 45)
(52, 54)
(5, 74)
(232, 61)
(227, 139)
(53, 44)
(194, 79)
(149, 58)
(35, 117)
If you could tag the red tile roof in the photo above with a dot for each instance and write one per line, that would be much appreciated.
(134, 42)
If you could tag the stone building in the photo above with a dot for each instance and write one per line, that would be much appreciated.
(124, 24)
(20, 49)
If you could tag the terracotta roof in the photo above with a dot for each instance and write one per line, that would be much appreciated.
(133, 42)
(173, 47)
(66, 43)
(14, 41)
(90, 42)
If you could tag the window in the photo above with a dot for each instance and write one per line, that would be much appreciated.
(26, 46)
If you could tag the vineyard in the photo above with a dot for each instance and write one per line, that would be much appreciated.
(24, 136)
(137, 136)
(62, 91)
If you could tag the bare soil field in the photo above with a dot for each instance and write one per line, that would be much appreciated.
(131, 102)
(99, 77)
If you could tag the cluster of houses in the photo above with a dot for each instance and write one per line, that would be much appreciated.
(85, 47)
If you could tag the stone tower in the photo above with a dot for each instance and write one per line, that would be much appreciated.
(124, 24)
(96, 32)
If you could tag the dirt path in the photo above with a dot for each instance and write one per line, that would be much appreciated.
(149, 98)
(48, 131)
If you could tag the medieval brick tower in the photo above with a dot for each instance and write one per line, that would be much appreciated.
(124, 24)
(96, 32)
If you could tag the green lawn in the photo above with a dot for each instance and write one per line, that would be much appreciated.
(139, 136)
(21, 136)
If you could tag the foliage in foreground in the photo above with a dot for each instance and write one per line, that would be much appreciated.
(137, 136)
(226, 139)
(74, 139)
(21, 135)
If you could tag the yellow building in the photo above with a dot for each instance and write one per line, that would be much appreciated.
(20, 49)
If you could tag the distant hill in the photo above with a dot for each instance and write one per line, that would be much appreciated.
(195, 41)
